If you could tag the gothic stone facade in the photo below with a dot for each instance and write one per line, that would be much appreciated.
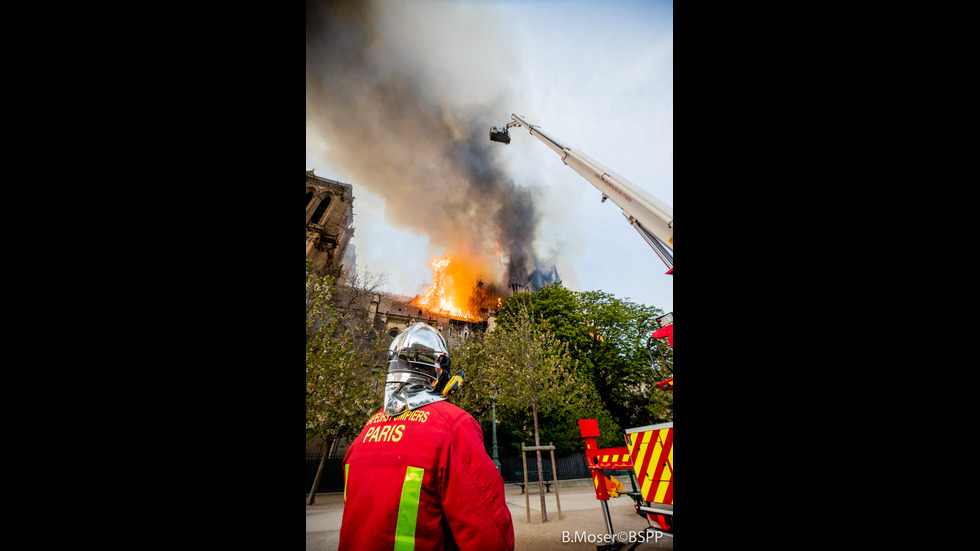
(396, 313)
(329, 224)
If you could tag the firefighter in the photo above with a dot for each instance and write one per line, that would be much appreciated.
(418, 476)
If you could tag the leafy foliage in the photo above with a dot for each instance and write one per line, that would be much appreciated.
(533, 376)
(344, 384)
(530, 367)
(604, 341)
(619, 363)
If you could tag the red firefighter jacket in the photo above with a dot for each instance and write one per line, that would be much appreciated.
(423, 481)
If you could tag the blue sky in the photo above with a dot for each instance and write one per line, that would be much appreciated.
(596, 75)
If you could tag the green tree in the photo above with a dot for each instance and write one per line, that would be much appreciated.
(559, 309)
(344, 374)
(478, 385)
(618, 331)
(530, 369)
(606, 338)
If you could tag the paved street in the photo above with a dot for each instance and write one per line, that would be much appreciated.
(580, 527)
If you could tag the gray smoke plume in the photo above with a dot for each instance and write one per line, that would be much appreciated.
(413, 128)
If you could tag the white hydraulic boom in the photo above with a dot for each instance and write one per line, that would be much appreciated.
(653, 219)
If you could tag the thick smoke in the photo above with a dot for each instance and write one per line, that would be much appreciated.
(413, 128)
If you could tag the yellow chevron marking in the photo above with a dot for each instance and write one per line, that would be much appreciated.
(643, 441)
(657, 448)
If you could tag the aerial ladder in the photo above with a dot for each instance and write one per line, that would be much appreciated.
(653, 219)
(649, 450)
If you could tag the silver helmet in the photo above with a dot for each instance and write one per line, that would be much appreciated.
(418, 369)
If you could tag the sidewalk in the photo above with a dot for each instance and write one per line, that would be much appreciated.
(581, 518)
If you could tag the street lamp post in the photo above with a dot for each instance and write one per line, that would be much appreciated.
(493, 413)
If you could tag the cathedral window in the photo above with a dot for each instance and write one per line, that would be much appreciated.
(320, 209)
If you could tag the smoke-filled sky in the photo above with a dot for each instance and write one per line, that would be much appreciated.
(400, 98)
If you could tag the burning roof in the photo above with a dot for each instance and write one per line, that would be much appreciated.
(459, 290)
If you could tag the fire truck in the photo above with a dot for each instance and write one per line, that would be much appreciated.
(649, 450)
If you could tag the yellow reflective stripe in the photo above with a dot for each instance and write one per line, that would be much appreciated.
(657, 448)
(346, 468)
(642, 441)
(408, 509)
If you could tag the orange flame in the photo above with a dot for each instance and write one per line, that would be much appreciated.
(452, 285)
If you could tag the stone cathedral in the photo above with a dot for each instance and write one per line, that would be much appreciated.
(329, 225)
